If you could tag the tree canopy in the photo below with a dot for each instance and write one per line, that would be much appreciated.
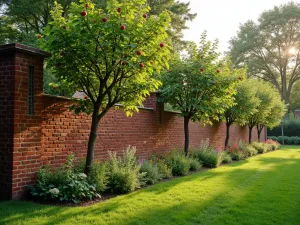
(271, 47)
(198, 85)
(108, 54)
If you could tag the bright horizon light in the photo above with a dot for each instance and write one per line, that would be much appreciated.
(292, 51)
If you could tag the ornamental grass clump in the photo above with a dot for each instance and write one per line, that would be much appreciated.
(260, 147)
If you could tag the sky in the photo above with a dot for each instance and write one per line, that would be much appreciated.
(221, 18)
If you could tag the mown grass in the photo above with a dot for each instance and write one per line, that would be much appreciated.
(261, 190)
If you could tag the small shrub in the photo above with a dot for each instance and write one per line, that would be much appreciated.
(194, 164)
(285, 138)
(260, 147)
(209, 158)
(98, 174)
(63, 184)
(236, 153)
(178, 162)
(226, 158)
(251, 151)
(274, 144)
(152, 173)
(273, 138)
(297, 141)
(124, 175)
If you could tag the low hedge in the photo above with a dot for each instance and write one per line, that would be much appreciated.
(294, 140)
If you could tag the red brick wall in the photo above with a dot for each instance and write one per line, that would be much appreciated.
(53, 131)
(6, 122)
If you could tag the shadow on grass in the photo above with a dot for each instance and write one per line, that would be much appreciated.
(263, 191)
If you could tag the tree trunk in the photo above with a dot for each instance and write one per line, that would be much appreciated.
(250, 134)
(258, 134)
(227, 134)
(91, 143)
(186, 135)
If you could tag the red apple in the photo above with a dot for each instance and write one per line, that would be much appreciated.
(145, 15)
(162, 45)
(201, 69)
(119, 10)
(142, 65)
(86, 5)
(123, 27)
(83, 13)
(104, 20)
(86, 97)
(139, 52)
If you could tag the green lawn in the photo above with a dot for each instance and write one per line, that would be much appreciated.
(261, 190)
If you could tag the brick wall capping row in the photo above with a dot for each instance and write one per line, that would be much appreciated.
(69, 99)
(23, 48)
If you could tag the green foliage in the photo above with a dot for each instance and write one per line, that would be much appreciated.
(179, 163)
(270, 48)
(269, 111)
(294, 140)
(99, 57)
(260, 147)
(291, 127)
(194, 164)
(151, 171)
(63, 184)
(164, 169)
(124, 176)
(207, 155)
(236, 153)
(198, 85)
(248, 150)
(245, 104)
(226, 158)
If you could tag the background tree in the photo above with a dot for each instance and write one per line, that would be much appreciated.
(110, 56)
(245, 104)
(271, 47)
(295, 97)
(269, 101)
(196, 86)
(275, 115)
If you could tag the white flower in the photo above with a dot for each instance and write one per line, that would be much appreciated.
(54, 191)
(82, 175)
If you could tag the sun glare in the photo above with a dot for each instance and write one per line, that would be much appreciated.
(292, 51)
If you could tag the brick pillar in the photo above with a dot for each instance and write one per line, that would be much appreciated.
(21, 71)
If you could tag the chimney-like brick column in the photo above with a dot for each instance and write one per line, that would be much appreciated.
(21, 72)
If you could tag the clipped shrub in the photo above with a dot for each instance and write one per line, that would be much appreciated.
(63, 184)
(124, 172)
(151, 171)
(260, 147)
(194, 164)
(273, 138)
(164, 169)
(297, 141)
(280, 139)
(178, 162)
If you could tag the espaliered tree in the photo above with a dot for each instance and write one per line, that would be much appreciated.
(197, 87)
(109, 56)
(245, 104)
(269, 100)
